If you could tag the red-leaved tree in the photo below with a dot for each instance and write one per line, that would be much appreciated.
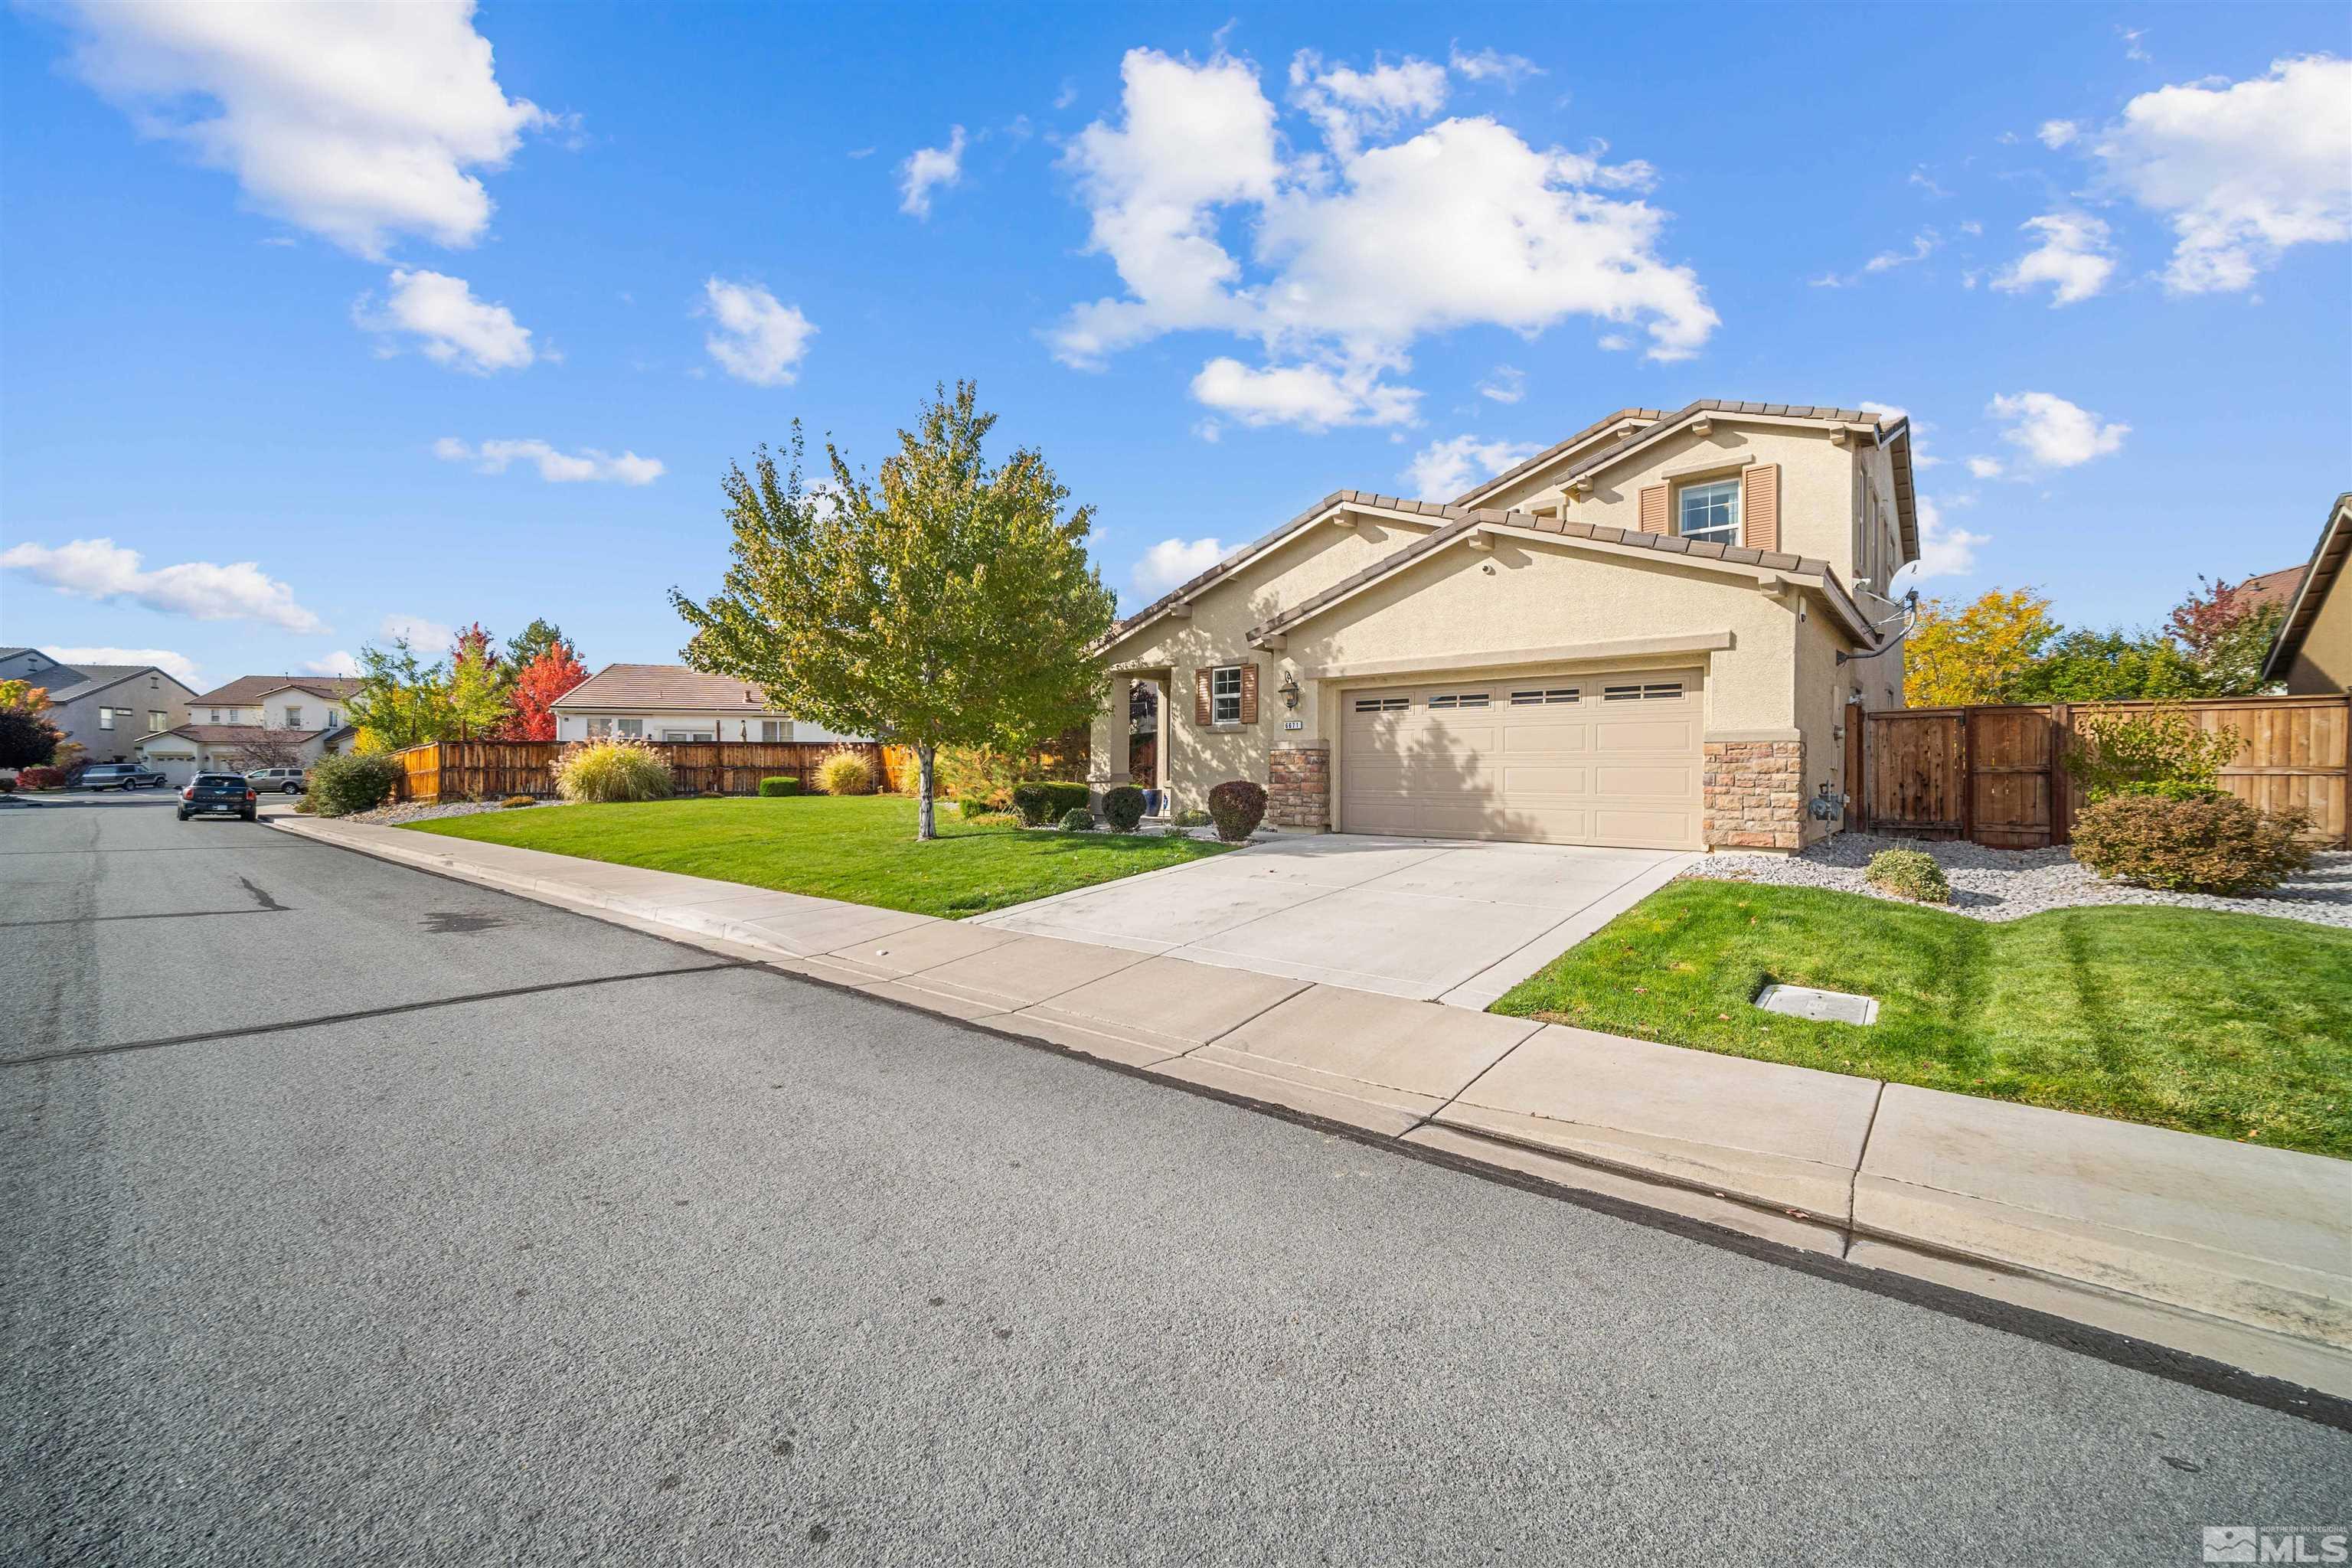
(536, 686)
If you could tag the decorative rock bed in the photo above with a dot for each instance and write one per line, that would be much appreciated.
(392, 815)
(2010, 884)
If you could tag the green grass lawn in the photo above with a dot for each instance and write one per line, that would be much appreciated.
(859, 848)
(2236, 1026)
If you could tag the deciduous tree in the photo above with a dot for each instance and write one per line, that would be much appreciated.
(478, 692)
(554, 671)
(27, 738)
(2226, 633)
(1974, 652)
(944, 602)
(401, 701)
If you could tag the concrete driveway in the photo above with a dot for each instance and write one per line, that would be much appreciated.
(1434, 920)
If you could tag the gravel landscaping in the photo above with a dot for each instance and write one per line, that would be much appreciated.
(395, 814)
(2010, 884)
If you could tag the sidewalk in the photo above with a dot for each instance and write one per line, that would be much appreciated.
(2234, 1252)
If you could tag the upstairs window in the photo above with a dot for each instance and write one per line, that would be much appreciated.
(1226, 695)
(293, 717)
(106, 718)
(1709, 511)
(157, 721)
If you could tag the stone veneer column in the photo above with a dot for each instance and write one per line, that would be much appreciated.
(1298, 789)
(1755, 795)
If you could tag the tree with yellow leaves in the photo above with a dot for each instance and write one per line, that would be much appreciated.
(1974, 653)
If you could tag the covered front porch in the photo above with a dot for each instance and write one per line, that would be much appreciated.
(1131, 737)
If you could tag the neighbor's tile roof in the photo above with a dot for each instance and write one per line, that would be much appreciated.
(2272, 587)
(663, 686)
(1464, 518)
(247, 690)
(228, 734)
(95, 677)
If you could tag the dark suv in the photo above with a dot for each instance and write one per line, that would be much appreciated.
(219, 795)
(120, 775)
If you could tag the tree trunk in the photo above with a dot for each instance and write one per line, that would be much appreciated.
(926, 824)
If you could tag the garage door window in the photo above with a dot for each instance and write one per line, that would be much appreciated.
(1651, 691)
(1547, 695)
(1382, 704)
(1447, 700)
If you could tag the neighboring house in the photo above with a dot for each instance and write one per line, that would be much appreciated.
(671, 703)
(2271, 588)
(1637, 639)
(2313, 653)
(305, 715)
(104, 707)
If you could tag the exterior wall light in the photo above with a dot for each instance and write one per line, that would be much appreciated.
(1289, 689)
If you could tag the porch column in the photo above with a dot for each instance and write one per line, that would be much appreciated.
(1107, 743)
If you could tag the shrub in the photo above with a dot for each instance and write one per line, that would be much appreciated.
(1237, 806)
(1123, 808)
(1040, 801)
(1078, 819)
(305, 807)
(992, 819)
(612, 768)
(515, 801)
(979, 776)
(1193, 819)
(845, 773)
(2217, 843)
(6, 786)
(340, 785)
(41, 778)
(1909, 874)
(773, 787)
(2162, 747)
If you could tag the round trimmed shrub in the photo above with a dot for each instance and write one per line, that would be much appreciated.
(342, 784)
(1909, 874)
(41, 778)
(1078, 819)
(1040, 801)
(773, 788)
(2213, 844)
(1123, 808)
(845, 773)
(613, 769)
(1237, 806)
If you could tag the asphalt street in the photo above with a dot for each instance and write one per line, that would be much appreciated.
(358, 1216)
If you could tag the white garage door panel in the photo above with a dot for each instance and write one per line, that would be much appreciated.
(1550, 758)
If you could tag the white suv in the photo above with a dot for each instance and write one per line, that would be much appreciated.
(292, 780)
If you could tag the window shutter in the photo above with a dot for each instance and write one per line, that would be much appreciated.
(1653, 509)
(1200, 698)
(1249, 694)
(1760, 507)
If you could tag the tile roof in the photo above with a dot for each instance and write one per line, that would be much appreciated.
(2271, 587)
(1554, 449)
(664, 686)
(230, 734)
(94, 678)
(247, 690)
(2328, 558)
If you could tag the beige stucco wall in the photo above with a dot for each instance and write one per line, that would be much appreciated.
(2323, 664)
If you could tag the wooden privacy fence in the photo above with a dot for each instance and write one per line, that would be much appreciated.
(1993, 775)
(489, 770)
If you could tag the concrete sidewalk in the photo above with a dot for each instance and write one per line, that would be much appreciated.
(2234, 1252)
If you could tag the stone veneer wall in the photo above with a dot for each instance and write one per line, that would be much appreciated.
(1298, 792)
(1754, 794)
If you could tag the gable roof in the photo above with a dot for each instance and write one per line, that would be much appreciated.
(246, 691)
(95, 677)
(654, 686)
(2270, 587)
(2328, 558)
(1552, 452)
(230, 734)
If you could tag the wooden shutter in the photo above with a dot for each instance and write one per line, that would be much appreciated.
(1200, 698)
(1249, 694)
(1653, 509)
(1760, 507)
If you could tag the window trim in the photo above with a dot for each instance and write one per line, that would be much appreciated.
(1218, 696)
(1715, 534)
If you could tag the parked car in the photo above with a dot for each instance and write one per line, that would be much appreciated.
(120, 775)
(219, 795)
(293, 781)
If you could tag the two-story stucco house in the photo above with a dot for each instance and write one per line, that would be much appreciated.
(671, 703)
(302, 715)
(105, 708)
(1653, 634)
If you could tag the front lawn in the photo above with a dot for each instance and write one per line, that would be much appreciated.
(2236, 1026)
(859, 848)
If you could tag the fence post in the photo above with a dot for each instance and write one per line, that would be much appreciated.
(2062, 782)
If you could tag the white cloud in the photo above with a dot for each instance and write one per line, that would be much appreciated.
(339, 662)
(1489, 64)
(1923, 245)
(429, 639)
(2073, 257)
(1504, 383)
(556, 468)
(2242, 170)
(2054, 433)
(179, 666)
(1444, 470)
(1309, 396)
(2131, 37)
(758, 340)
(454, 329)
(927, 167)
(101, 569)
(1927, 182)
(357, 123)
(1943, 551)
(1986, 468)
(1175, 560)
(2056, 133)
(1358, 250)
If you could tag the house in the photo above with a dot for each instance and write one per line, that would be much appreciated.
(671, 703)
(1655, 634)
(299, 717)
(2312, 651)
(104, 707)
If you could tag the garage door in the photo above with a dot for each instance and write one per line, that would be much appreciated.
(1609, 759)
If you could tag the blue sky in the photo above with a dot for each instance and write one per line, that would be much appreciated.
(316, 325)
